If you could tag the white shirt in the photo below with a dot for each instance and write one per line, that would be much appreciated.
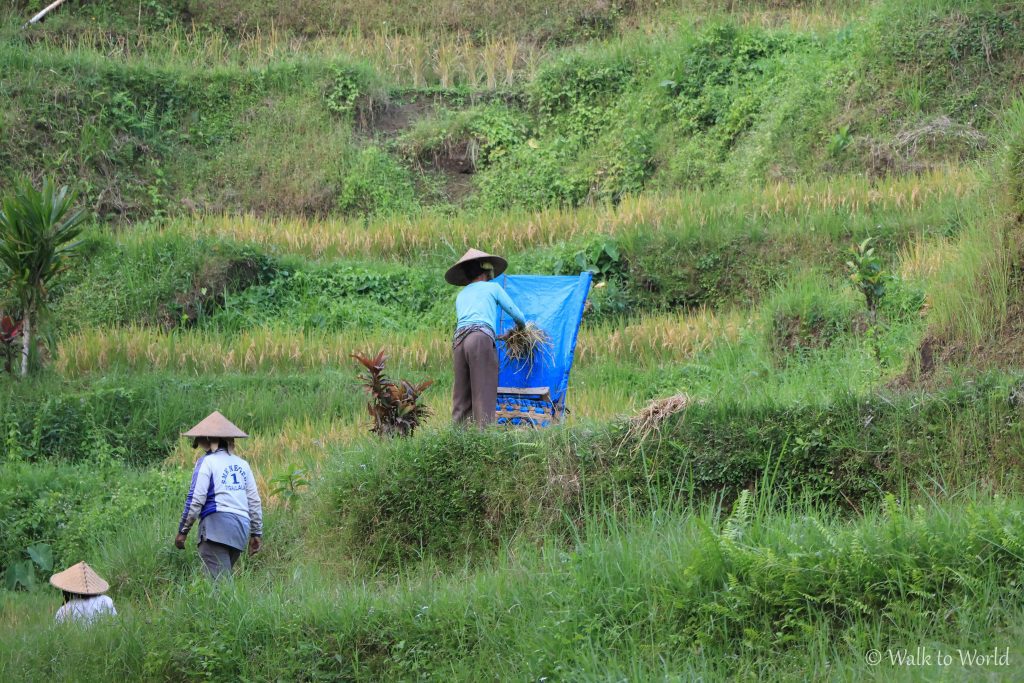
(86, 610)
(222, 482)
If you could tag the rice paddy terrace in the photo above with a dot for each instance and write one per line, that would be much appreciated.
(761, 476)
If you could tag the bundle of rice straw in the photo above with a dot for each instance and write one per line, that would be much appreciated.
(523, 344)
(648, 420)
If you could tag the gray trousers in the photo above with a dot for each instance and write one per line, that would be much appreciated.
(476, 379)
(218, 558)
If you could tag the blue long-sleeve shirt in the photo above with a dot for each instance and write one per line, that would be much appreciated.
(478, 302)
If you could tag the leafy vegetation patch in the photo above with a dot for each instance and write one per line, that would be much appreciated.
(711, 593)
(142, 416)
(723, 104)
(450, 493)
(164, 282)
(72, 509)
(171, 280)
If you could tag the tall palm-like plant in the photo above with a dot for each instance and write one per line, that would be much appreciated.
(37, 232)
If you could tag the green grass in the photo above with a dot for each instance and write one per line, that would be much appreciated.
(706, 593)
(675, 252)
(143, 415)
(145, 131)
(449, 495)
(77, 508)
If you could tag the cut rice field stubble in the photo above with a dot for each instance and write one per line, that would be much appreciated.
(650, 339)
(414, 59)
(821, 208)
(418, 57)
(301, 443)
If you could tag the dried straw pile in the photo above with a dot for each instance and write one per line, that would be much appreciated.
(524, 345)
(648, 420)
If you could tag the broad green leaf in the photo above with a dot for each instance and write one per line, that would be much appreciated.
(42, 555)
(20, 574)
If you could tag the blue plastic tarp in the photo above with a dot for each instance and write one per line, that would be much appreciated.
(554, 303)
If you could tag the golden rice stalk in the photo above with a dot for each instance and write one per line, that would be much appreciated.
(523, 344)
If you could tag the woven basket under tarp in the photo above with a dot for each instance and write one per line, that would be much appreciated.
(526, 411)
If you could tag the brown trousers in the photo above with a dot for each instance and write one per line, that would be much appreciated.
(476, 380)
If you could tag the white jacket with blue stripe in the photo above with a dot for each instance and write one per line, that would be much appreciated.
(223, 482)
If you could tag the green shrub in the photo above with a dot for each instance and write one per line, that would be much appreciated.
(496, 129)
(622, 160)
(376, 185)
(341, 296)
(75, 508)
(809, 313)
(353, 90)
(716, 90)
(141, 417)
(535, 174)
(163, 280)
(571, 96)
(432, 493)
(575, 100)
(714, 85)
(444, 494)
(480, 135)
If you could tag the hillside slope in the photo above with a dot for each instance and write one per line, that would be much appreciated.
(182, 119)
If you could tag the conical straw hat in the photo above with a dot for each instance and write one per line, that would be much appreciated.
(217, 426)
(80, 579)
(456, 276)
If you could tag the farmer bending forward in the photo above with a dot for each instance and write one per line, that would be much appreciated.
(474, 353)
(223, 496)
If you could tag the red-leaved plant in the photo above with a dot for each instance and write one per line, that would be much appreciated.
(10, 331)
(394, 406)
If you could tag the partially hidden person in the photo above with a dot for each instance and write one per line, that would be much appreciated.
(474, 353)
(223, 497)
(84, 599)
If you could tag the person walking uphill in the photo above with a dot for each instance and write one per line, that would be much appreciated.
(223, 496)
(474, 353)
